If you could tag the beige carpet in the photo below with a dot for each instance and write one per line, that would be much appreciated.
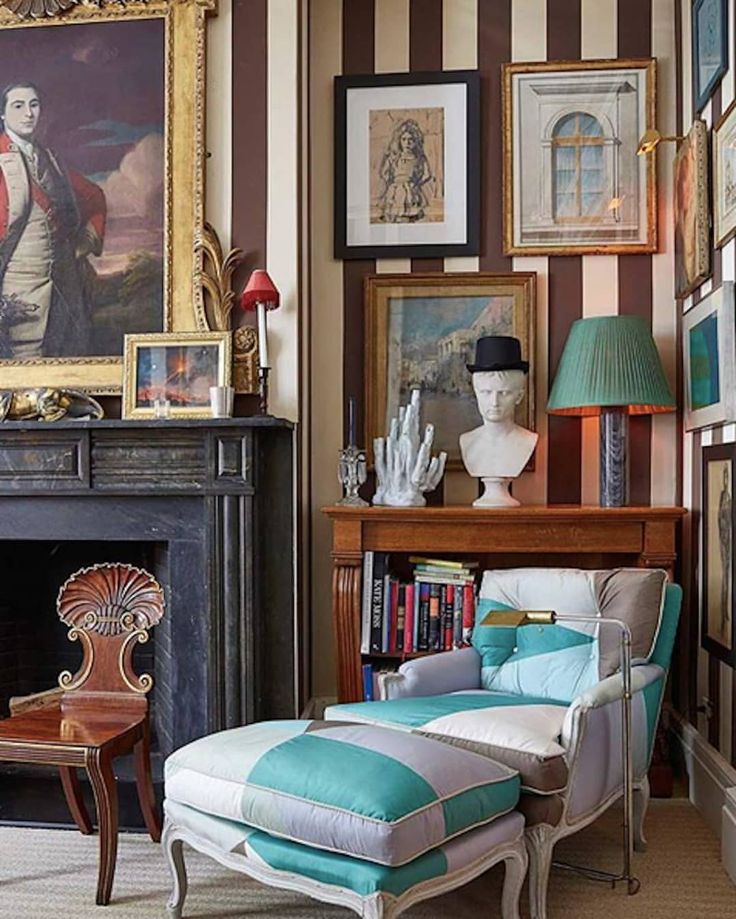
(50, 874)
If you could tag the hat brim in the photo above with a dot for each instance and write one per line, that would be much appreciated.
(514, 365)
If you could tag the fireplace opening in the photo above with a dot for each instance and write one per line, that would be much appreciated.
(34, 647)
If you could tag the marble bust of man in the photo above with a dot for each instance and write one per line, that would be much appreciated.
(499, 449)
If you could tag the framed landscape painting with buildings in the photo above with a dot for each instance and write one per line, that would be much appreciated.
(101, 186)
(708, 356)
(407, 174)
(420, 332)
(692, 211)
(572, 180)
(717, 635)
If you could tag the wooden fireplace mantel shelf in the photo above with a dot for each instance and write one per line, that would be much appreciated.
(546, 535)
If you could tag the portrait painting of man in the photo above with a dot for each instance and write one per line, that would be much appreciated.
(82, 166)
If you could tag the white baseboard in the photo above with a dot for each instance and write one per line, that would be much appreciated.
(712, 788)
(728, 834)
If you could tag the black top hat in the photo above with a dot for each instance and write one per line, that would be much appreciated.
(498, 352)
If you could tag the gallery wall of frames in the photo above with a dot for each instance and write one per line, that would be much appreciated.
(365, 41)
(706, 270)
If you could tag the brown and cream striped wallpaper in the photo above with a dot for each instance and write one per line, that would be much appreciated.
(701, 676)
(363, 36)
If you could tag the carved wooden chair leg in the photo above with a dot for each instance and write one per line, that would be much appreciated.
(175, 860)
(74, 800)
(99, 768)
(144, 786)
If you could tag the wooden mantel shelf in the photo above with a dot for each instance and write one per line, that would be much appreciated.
(564, 535)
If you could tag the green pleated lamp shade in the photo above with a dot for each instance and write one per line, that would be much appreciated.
(610, 362)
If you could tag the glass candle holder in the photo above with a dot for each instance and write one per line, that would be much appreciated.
(352, 471)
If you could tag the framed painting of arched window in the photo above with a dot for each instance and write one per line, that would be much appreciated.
(579, 186)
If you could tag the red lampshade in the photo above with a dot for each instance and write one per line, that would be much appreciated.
(260, 289)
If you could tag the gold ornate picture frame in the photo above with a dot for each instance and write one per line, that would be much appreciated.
(420, 332)
(572, 181)
(176, 371)
(132, 281)
(692, 210)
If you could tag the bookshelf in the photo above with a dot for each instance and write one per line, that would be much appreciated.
(546, 536)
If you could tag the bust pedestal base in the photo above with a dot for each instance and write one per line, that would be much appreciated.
(496, 493)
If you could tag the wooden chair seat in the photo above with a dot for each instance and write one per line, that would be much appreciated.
(101, 712)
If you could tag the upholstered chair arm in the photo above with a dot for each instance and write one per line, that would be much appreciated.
(592, 734)
(450, 671)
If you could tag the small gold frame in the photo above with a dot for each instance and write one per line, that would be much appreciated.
(136, 343)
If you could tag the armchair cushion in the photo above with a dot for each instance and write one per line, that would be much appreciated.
(561, 661)
(520, 732)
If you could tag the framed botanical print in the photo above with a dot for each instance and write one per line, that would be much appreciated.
(710, 47)
(717, 613)
(572, 180)
(724, 176)
(420, 332)
(101, 190)
(407, 173)
(174, 370)
(692, 211)
(710, 360)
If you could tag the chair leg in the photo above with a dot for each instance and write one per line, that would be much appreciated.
(540, 846)
(641, 803)
(144, 786)
(102, 777)
(515, 868)
(74, 800)
(175, 860)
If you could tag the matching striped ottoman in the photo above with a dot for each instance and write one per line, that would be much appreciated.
(359, 815)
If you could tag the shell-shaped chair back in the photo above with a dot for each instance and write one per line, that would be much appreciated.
(109, 609)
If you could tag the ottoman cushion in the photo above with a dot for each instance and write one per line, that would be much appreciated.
(362, 790)
(363, 877)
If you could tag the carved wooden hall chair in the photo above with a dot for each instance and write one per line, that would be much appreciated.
(101, 712)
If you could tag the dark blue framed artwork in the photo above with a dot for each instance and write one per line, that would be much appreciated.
(710, 47)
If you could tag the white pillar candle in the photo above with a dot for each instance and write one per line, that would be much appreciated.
(262, 339)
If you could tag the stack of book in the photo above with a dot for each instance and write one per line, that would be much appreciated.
(433, 612)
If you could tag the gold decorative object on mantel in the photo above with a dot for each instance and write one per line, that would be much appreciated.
(216, 276)
(47, 404)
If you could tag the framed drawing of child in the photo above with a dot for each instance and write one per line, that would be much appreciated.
(406, 165)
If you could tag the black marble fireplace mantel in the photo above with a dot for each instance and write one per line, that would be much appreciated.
(215, 500)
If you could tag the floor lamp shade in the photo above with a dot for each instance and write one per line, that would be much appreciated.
(611, 367)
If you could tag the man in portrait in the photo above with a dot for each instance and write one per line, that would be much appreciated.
(51, 219)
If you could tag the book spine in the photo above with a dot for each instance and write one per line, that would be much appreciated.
(457, 618)
(393, 642)
(423, 618)
(401, 617)
(434, 639)
(468, 612)
(409, 620)
(368, 693)
(365, 629)
(435, 562)
(379, 562)
(416, 637)
(448, 608)
(386, 622)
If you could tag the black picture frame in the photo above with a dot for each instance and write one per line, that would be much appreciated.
(343, 248)
(701, 94)
(718, 514)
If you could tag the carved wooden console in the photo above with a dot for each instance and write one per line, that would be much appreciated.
(583, 537)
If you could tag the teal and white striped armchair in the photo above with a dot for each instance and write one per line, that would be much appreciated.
(546, 699)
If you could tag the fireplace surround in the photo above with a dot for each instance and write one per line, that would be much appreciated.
(208, 507)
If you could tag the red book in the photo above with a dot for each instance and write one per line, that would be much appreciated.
(409, 620)
(468, 612)
(393, 638)
(448, 597)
